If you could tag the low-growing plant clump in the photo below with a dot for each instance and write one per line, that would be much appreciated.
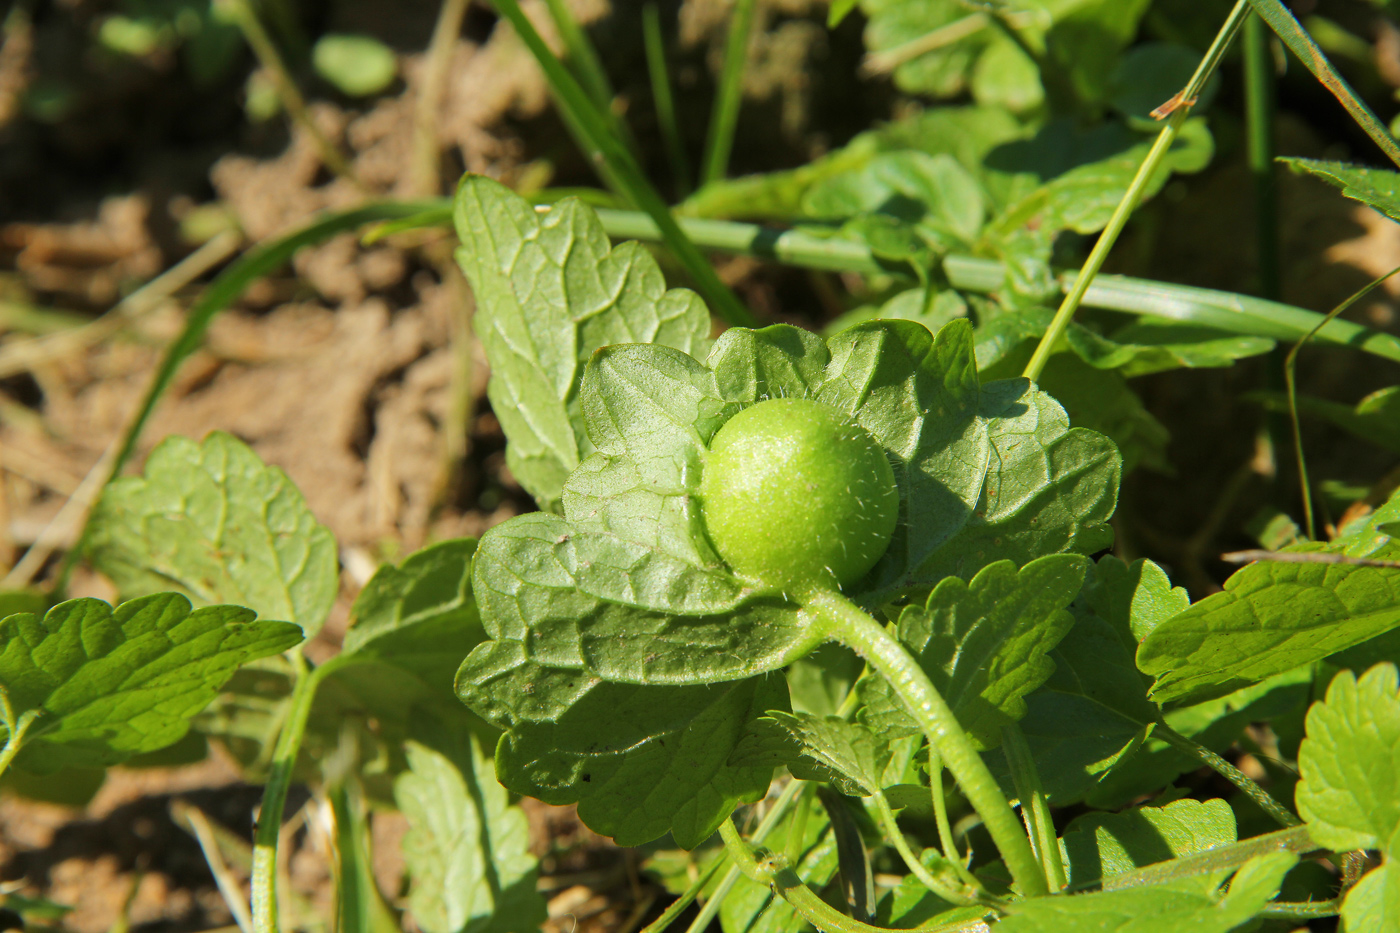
(830, 625)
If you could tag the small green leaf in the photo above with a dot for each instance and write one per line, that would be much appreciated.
(1134, 598)
(112, 683)
(1275, 616)
(1052, 488)
(1350, 763)
(1093, 710)
(1214, 724)
(212, 521)
(1376, 187)
(418, 614)
(466, 848)
(844, 754)
(550, 290)
(840, 9)
(934, 194)
(756, 908)
(1099, 846)
(1374, 903)
(358, 66)
(985, 644)
(1156, 909)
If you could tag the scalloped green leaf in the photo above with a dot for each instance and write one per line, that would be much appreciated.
(212, 521)
(985, 644)
(1274, 616)
(112, 683)
(550, 290)
(639, 761)
(1349, 794)
(1374, 902)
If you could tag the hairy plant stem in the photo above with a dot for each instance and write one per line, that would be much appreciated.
(844, 622)
(279, 781)
(773, 871)
(1099, 254)
(953, 894)
(711, 908)
(1034, 809)
(1281, 814)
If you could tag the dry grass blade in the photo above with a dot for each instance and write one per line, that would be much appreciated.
(20, 356)
(1306, 557)
(231, 888)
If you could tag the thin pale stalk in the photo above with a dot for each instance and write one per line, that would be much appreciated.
(711, 907)
(846, 623)
(608, 152)
(266, 52)
(1290, 378)
(279, 781)
(890, 827)
(1225, 857)
(1281, 814)
(1034, 808)
(18, 356)
(229, 887)
(425, 177)
(1286, 25)
(664, 99)
(719, 141)
(1300, 910)
(15, 740)
(1050, 342)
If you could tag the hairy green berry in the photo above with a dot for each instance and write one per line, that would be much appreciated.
(797, 495)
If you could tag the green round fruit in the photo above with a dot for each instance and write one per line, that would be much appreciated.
(797, 495)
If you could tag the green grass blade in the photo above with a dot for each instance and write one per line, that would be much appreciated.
(610, 155)
(1227, 311)
(1283, 22)
(581, 56)
(665, 101)
(719, 141)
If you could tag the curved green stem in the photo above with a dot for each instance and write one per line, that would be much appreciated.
(842, 621)
(1034, 809)
(712, 905)
(1049, 343)
(940, 816)
(1281, 814)
(279, 781)
(1221, 858)
(953, 894)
